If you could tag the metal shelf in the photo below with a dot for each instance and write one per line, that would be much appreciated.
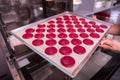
(83, 8)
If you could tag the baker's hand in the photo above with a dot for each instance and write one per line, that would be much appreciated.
(110, 44)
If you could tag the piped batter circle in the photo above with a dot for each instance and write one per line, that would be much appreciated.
(73, 16)
(76, 41)
(60, 26)
(94, 35)
(71, 30)
(50, 50)
(79, 49)
(40, 30)
(84, 22)
(51, 30)
(100, 30)
(65, 50)
(27, 35)
(103, 26)
(84, 35)
(62, 35)
(37, 42)
(90, 30)
(87, 26)
(67, 61)
(92, 22)
(76, 22)
(39, 35)
(41, 25)
(51, 26)
(82, 19)
(51, 35)
(51, 42)
(78, 26)
(63, 42)
(69, 26)
(59, 22)
(51, 22)
(95, 26)
(88, 42)
(81, 30)
(68, 22)
(58, 18)
(73, 35)
(29, 30)
(61, 30)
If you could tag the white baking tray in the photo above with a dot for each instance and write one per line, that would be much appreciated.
(80, 60)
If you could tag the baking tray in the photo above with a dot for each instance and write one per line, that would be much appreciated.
(80, 59)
